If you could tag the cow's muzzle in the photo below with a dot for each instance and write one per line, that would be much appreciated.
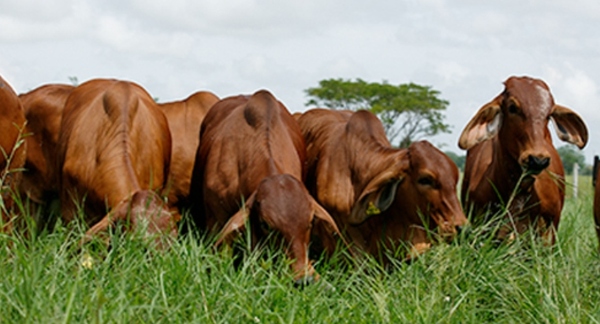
(535, 165)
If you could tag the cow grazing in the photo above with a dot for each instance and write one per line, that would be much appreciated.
(249, 166)
(508, 145)
(12, 152)
(43, 109)
(114, 150)
(380, 196)
(185, 118)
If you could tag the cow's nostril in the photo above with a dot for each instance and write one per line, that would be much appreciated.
(537, 164)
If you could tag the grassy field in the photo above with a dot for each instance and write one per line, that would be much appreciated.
(44, 280)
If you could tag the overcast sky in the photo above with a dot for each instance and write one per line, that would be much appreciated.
(463, 48)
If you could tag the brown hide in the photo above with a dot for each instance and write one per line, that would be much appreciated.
(185, 118)
(352, 168)
(43, 108)
(597, 202)
(252, 153)
(114, 143)
(508, 140)
(12, 151)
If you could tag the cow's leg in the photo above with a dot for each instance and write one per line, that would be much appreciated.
(419, 243)
(546, 230)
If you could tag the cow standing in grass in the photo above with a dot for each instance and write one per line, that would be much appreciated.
(184, 117)
(249, 169)
(12, 152)
(43, 109)
(114, 153)
(596, 197)
(511, 161)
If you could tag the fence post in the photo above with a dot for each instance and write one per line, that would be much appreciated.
(575, 180)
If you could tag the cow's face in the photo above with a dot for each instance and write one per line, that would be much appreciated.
(149, 214)
(431, 191)
(526, 106)
(519, 117)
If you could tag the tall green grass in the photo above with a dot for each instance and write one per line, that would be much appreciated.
(46, 280)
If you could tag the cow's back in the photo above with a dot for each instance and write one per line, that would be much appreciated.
(184, 118)
(345, 150)
(114, 141)
(243, 140)
(323, 131)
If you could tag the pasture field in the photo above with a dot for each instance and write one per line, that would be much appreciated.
(47, 280)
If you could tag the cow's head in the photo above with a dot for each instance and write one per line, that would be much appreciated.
(425, 202)
(428, 196)
(519, 117)
(144, 212)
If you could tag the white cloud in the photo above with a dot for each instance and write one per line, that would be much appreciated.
(583, 89)
(452, 72)
(464, 48)
(43, 20)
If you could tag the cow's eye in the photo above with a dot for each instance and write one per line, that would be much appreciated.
(513, 109)
(426, 181)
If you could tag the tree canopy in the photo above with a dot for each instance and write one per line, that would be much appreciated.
(459, 160)
(570, 155)
(408, 111)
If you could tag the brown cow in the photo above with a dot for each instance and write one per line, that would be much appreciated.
(114, 149)
(43, 108)
(12, 152)
(509, 149)
(596, 197)
(185, 118)
(251, 149)
(373, 191)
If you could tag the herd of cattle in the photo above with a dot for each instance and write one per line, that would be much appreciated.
(117, 159)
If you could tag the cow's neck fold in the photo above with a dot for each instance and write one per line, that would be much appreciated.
(506, 172)
(370, 161)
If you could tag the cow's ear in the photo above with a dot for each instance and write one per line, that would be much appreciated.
(321, 215)
(325, 227)
(569, 126)
(373, 202)
(482, 126)
(237, 223)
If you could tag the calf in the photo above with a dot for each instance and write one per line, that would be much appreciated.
(511, 159)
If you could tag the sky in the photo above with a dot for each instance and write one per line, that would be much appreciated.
(463, 48)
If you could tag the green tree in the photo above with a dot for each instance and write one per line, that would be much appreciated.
(408, 111)
(569, 156)
(74, 80)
